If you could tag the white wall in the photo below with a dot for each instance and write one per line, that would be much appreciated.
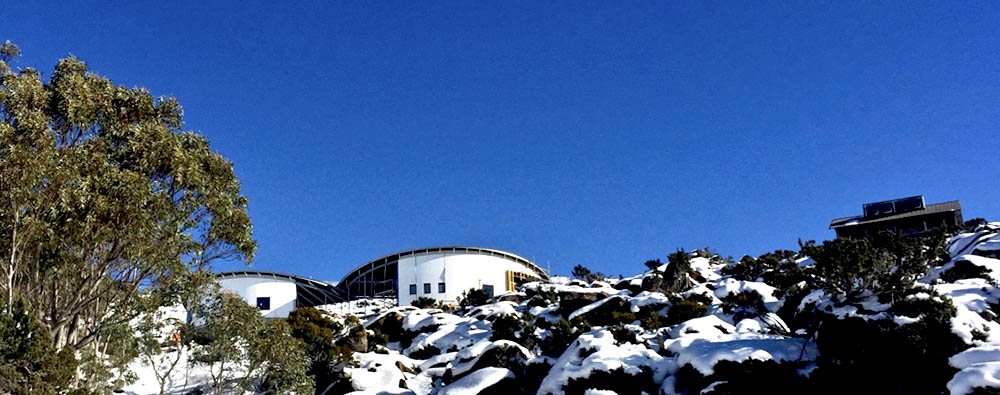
(459, 271)
(282, 293)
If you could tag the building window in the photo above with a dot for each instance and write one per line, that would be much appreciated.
(427, 288)
(413, 289)
(488, 289)
(440, 288)
(264, 303)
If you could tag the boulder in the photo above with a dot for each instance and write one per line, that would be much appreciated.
(356, 339)
(602, 313)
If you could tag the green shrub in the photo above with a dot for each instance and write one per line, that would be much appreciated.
(583, 273)
(318, 334)
(28, 362)
(674, 278)
(684, 310)
(424, 302)
(473, 297)
(560, 336)
(507, 327)
(747, 377)
(891, 358)
(746, 304)
(851, 269)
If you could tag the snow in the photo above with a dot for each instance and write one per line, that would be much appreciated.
(993, 265)
(440, 359)
(494, 310)
(418, 320)
(468, 357)
(985, 374)
(596, 351)
(805, 262)
(710, 326)
(361, 308)
(452, 336)
(477, 381)
(463, 340)
(377, 371)
(974, 294)
(706, 269)
(572, 288)
(985, 238)
(728, 286)
(185, 377)
(646, 298)
(590, 307)
(385, 390)
(402, 310)
(703, 354)
(749, 325)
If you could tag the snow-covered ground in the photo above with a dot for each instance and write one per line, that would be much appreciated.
(456, 352)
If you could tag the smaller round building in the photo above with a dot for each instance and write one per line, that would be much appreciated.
(277, 294)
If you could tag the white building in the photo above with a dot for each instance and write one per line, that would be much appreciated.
(440, 273)
(277, 294)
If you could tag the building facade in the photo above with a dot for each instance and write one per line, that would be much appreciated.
(277, 294)
(439, 273)
(906, 216)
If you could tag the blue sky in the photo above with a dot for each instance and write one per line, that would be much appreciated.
(601, 133)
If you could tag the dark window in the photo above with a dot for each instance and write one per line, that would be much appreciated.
(264, 303)
(440, 288)
(489, 290)
(427, 288)
(413, 289)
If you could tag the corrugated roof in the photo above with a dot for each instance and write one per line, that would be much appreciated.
(930, 209)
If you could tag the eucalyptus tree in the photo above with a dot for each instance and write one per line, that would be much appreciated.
(105, 201)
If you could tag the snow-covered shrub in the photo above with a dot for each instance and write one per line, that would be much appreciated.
(595, 360)
(319, 335)
(790, 302)
(558, 337)
(674, 277)
(963, 269)
(748, 377)
(746, 304)
(853, 269)
(903, 355)
(514, 328)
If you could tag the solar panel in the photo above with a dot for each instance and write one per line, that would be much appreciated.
(912, 203)
(878, 209)
(895, 206)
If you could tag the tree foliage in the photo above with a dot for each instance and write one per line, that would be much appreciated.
(102, 193)
(105, 204)
(886, 266)
(319, 334)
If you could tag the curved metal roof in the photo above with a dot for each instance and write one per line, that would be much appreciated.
(311, 292)
(430, 250)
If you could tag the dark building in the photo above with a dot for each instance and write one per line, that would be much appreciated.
(908, 216)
